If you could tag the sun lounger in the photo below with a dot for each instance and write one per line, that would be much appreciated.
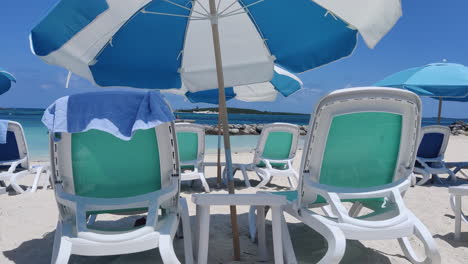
(360, 150)
(274, 155)
(430, 156)
(191, 139)
(98, 172)
(14, 162)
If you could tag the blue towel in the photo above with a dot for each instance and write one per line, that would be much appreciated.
(3, 131)
(120, 113)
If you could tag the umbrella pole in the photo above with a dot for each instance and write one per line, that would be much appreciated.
(224, 122)
(218, 179)
(440, 111)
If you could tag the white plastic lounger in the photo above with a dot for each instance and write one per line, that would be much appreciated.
(95, 172)
(191, 142)
(14, 162)
(430, 155)
(274, 155)
(456, 193)
(361, 150)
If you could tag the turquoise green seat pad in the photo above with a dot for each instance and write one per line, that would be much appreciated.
(188, 146)
(105, 166)
(277, 147)
(361, 150)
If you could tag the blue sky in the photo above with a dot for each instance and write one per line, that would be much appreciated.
(429, 31)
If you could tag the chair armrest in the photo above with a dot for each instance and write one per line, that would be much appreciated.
(269, 161)
(82, 204)
(334, 195)
(14, 164)
(425, 160)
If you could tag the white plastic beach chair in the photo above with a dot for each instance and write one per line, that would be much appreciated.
(14, 162)
(95, 172)
(361, 150)
(274, 155)
(430, 155)
(191, 139)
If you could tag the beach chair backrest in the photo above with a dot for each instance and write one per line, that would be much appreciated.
(99, 165)
(434, 141)
(278, 141)
(15, 147)
(191, 142)
(362, 138)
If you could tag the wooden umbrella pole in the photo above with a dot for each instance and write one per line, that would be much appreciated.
(218, 179)
(439, 113)
(224, 121)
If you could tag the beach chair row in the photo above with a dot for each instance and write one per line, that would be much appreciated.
(361, 150)
(357, 163)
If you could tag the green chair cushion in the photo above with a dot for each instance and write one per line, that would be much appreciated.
(361, 150)
(188, 146)
(277, 145)
(105, 166)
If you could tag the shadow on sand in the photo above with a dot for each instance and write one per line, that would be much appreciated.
(309, 246)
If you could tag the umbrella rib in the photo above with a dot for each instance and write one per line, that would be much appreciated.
(241, 8)
(176, 15)
(229, 6)
(186, 8)
(202, 6)
(219, 4)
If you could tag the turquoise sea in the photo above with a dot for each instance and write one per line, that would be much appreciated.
(37, 138)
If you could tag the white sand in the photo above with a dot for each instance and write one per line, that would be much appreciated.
(27, 224)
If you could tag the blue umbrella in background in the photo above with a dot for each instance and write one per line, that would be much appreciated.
(205, 44)
(441, 81)
(6, 79)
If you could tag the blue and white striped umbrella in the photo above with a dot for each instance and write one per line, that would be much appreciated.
(283, 82)
(205, 44)
(160, 44)
(6, 79)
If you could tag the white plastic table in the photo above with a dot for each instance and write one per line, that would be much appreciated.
(205, 201)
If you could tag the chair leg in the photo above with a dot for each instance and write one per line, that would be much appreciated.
(62, 247)
(266, 179)
(246, 177)
(426, 178)
(292, 180)
(204, 183)
(453, 177)
(185, 217)
(430, 246)
(16, 177)
(336, 240)
(166, 249)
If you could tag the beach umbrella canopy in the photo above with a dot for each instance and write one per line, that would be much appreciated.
(6, 79)
(205, 44)
(283, 82)
(441, 81)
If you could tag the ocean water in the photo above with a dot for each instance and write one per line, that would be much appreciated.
(37, 134)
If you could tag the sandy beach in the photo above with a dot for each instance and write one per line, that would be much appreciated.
(27, 224)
